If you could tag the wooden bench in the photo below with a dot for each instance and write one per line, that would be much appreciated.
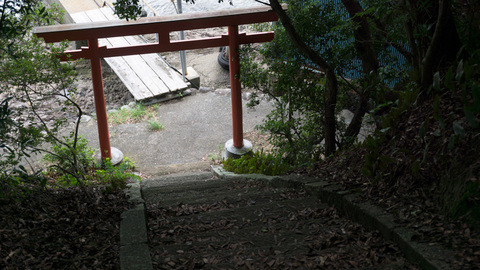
(146, 76)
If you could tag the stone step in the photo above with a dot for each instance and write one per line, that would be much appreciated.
(199, 190)
(200, 214)
(246, 224)
(262, 226)
(252, 234)
(271, 236)
(218, 196)
(177, 179)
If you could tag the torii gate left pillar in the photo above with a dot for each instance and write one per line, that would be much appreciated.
(99, 98)
(163, 26)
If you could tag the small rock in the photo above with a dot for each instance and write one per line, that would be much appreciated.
(204, 89)
(125, 107)
(265, 97)
(112, 111)
(132, 104)
(222, 92)
(85, 119)
(246, 95)
(61, 98)
(193, 90)
(346, 116)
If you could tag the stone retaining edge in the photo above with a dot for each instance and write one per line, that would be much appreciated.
(365, 213)
(134, 250)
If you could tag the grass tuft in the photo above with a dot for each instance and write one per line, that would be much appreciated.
(136, 114)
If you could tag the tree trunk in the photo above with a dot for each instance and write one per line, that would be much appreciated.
(331, 84)
(438, 47)
(363, 37)
(444, 44)
(330, 103)
(366, 52)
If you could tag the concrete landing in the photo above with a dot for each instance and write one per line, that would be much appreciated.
(195, 126)
(73, 6)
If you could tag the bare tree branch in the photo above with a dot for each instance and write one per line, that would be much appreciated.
(433, 48)
(401, 49)
(331, 82)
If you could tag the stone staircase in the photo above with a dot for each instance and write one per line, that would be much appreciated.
(196, 220)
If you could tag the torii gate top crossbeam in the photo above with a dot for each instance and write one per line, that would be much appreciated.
(162, 26)
(149, 25)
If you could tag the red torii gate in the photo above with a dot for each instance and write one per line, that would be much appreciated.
(162, 26)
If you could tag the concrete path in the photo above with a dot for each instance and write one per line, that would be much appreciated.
(194, 127)
(73, 6)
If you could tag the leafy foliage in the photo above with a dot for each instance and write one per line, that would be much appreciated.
(295, 122)
(32, 76)
(435, 142)
(17, 16)
(115, 177)
(70, 162)
(29, 74)
(293, 81)
(460, 185)
(74, 166)
(257, 163)
(127, 9)
(425, 106)
(22, 58)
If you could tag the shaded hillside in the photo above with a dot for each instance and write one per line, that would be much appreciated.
(424, 169)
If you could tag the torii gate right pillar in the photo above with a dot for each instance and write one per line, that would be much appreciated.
(237, 146)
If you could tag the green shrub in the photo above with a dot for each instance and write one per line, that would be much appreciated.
(17, 140)
(71, 166)
(19, 182)
(30, 75)
(70, 162)
(257, 163)
(298, 122)
(116, 176)
(127, 9)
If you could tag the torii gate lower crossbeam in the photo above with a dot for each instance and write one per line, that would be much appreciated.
(162, 26)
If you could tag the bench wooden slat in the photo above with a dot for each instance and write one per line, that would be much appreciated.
(120, 65)
(169, 77)
(145, 76)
